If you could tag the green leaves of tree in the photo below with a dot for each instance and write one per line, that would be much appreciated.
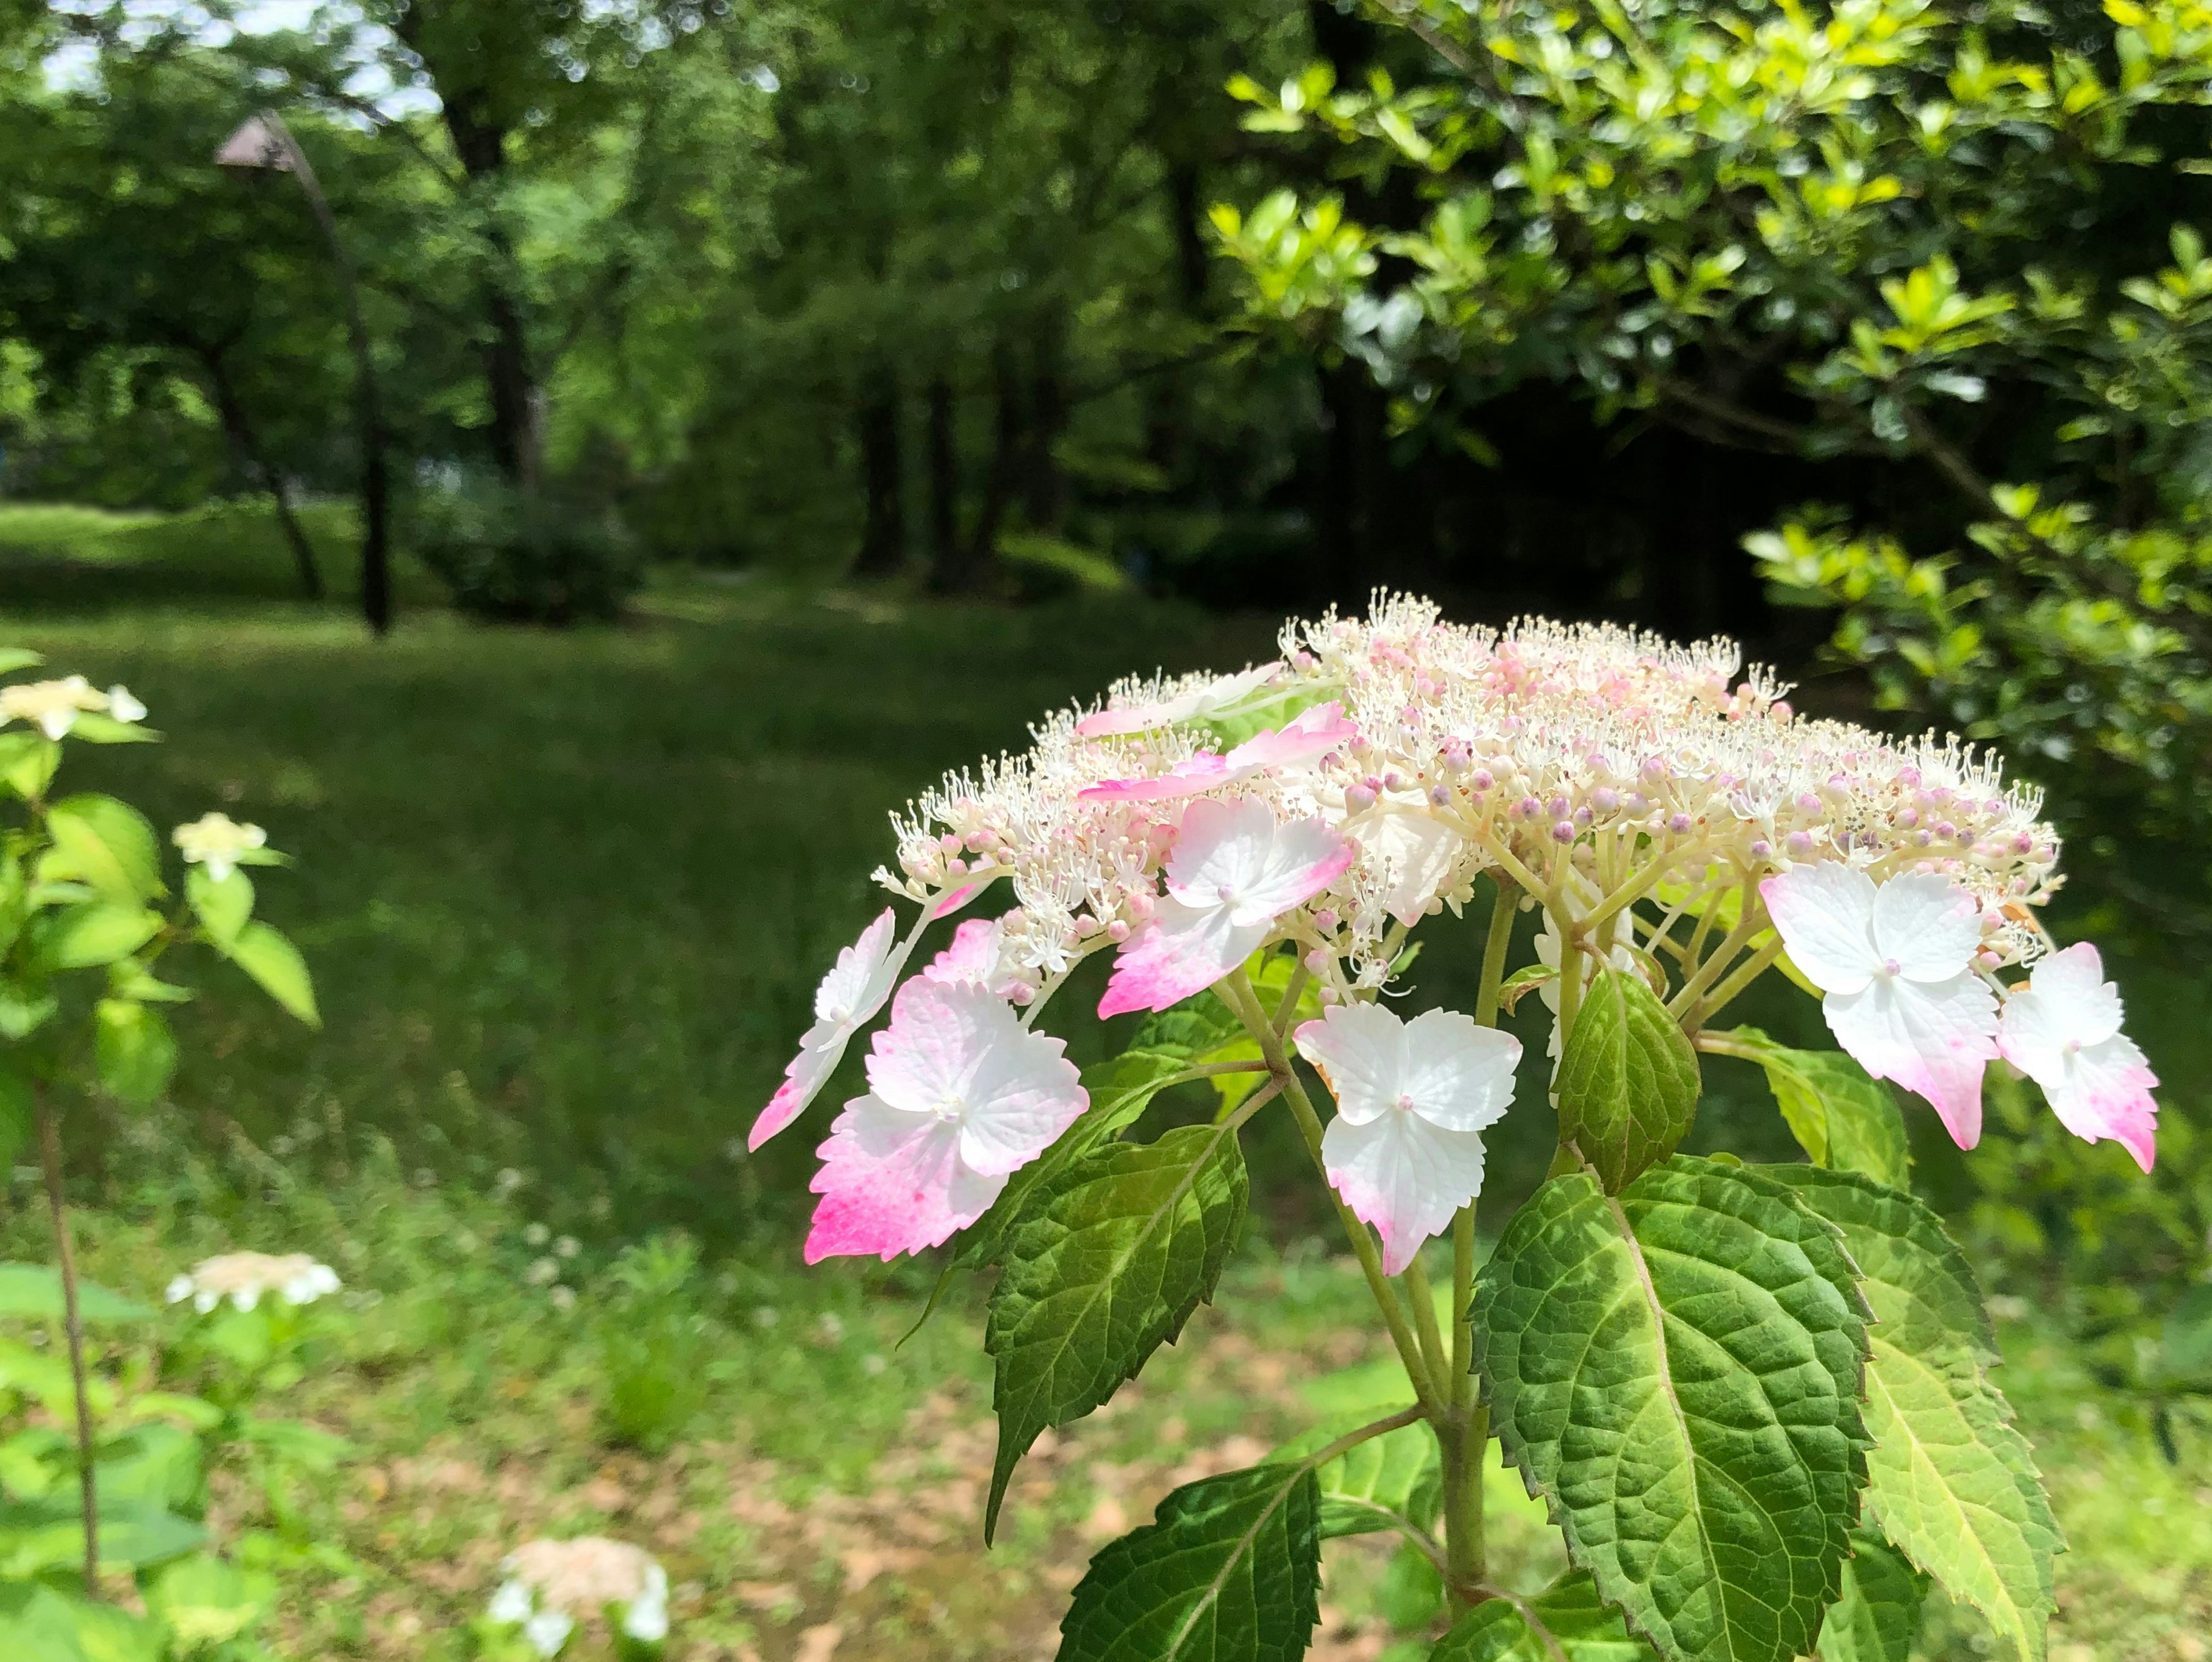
(1878, 1617)
(1951, 1482)
(106, 844)
(1229, 1571)
(1108, 1264)
(1567, 1621)
(1677, 1371)
(277, 968)
(1841, 1116)
(1628, 1083)
(1395, 1481)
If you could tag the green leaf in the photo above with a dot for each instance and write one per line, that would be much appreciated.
(2184, 1355)
(1229, 1571)
(27, 762)
(1119, 1090)
(1628, 1084)
(109, 844)
(1392, 1482)
(48, 1533)
(40, 1623)
(95, 728)
(13, 659)
(1840, 1116)
(1878, 1617)
(33, 1292)
(18, 1109)
(1676, 1370)
(1107, 1267)
(97, 932)
(1565, 1622)
(221, 908)
(134, 1051)
(202, 1601)
(1950, 1482)
(276, 965)
(23, 1013)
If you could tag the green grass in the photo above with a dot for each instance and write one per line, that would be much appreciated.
(566, 896)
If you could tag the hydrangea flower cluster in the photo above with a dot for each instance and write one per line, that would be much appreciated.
(1671, 816)
(551, 1585)
(247, 1278)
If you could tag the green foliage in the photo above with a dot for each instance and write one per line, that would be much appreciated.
(1703, 1331)
(1840, 1117)
(652, 1344)
(1628, 1084)
(1878, 1617)
(1107, 1265)
(1950, 1482)
(525, 556)
(1565, 1620)
(1395, 1481)
(1230, 1571)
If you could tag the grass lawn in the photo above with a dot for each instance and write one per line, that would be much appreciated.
(566, 896)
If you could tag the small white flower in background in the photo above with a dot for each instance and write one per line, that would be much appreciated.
(52, 706)
(124, 707)
(1405, 1149)
(245, 1279)
(563, 1299)
(550, 1585)
(506, 1182)
(567, 1246)
(543, 1272)
(217, 842)
(536, 1234)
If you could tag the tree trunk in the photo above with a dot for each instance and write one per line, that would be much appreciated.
(943, 460)
(1007, 432)
(882, 477)
(255, 465)
(1044, 502)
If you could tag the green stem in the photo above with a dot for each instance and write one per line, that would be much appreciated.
(1752, 922)
(1246, 1002)
(1495, 946)
(1465, 1450)
(1752, 967)
(50, 1150)
(1423, 1298)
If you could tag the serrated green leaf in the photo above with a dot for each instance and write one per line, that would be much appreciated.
(1676, 1370)
(1229, 1571)
(1878, 1617)
(221, 908)
(34, 1292)
(1951, 1482)
(1841, 1116)
(109, 844)
(1628, 1083)
(95, 932)
(1107, 1267)
(134, 1050)
(1565, 1622)
(1392, 1482)
(277, 967)
(1120, 1091)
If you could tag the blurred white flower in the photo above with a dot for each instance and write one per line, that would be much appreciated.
(217, 842)
(543, 1272)
(563, 1299)
(122, 707)
(547, 1631)
(512, 1603)
(245, 1277)
(555, 1583)
(536, 1234)
(567, 1246)
(51, 706)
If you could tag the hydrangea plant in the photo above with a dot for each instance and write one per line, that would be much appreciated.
(89, 934)
(1755, 1398)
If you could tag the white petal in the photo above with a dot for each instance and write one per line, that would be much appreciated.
(547, 1631)
(1302, 858)
(1182, 951)
(1024, 1093)
(1403, 1176)
(180, 1288)
(1220, 845)
(1825, 913)
(1420, 854)
(2104, 1090)
(1934, 1038)
(2066, 997)
(122, 707)
(1459, 1076)
(204, 1301)
(1360, 1051)
(1925, 924)
(647, 1621)
(849, 993)
(923, 1059)
(511, 1604)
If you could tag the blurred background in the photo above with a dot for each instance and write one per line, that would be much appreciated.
(569, 467)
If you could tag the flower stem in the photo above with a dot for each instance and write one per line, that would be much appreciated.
(1246, 1002)
(1465, 1445)
(50, 1150)
(1423, 1298)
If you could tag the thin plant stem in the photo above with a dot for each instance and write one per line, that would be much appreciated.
(1466, 1450)
(1288, 1007)
(1495, 946)
(1246, 1004)
(1751, 969)
(1423, 1298)
(50, 1150)
(1747, 928)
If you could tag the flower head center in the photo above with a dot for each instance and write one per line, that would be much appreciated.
(1891, 967)
(1405, 1102)
(952, 1110)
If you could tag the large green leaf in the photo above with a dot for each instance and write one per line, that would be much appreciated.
(134, 1051)
(1228, 1571)
(1119, 1090)
(1395, 1481)
(1565, 1622)
(39, 1623)
(1841, 1116)
(202, 1601)
(96, 932)
(109, 844)
(1628, 1083)
(35, 1291)
(1108, 1267)
(1951, 1482)
(277, 966)
(1878, 1617)
(1677, 1371)
(223, 907)
(47, 1533)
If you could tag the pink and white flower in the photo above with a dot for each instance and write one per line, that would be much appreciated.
(1235, 869)
(1207, 699)
(960, 1097)
(848, 999)
(1302, 741)
(2063, 1030)
(1895, 966)
(1405, 1149)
